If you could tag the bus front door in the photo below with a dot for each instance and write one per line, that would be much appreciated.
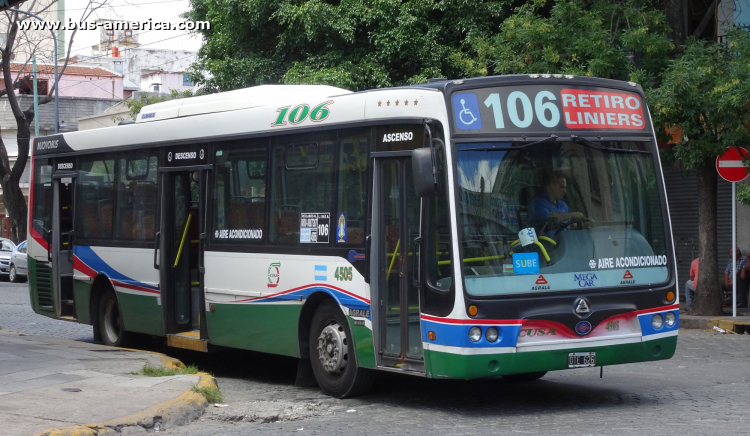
(61, 244)
(181, 237)
(396, 228)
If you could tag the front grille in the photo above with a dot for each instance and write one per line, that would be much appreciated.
(44, 285)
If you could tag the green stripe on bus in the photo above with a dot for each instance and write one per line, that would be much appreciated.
(447, 365)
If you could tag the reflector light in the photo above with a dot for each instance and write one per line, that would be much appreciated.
(473, 310)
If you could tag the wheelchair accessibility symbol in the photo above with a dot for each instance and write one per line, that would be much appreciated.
(466, 111)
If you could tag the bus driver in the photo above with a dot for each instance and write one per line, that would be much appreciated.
(550, 204)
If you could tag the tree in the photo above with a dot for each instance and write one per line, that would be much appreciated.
(353, 44)
(27, 42)
(705, 93)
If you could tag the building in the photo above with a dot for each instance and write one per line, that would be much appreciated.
(76, 80)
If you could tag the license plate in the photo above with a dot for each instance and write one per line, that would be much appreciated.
(581, 360)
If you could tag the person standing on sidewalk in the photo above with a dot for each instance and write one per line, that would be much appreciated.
(692, 285)
(737, 274)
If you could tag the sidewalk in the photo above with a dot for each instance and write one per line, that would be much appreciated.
(48, 383)
(738, 324)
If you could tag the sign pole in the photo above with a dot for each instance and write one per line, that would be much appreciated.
(734, 250)
(731, 168)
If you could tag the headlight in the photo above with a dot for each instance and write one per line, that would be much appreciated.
(475, 334)
(670, 319)
(491, 334)
(657, 321)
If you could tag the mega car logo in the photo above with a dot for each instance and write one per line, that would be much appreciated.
(540, 281)
(583, 328)
(274, 274)
(585, 280)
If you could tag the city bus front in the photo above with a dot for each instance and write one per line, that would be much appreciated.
(564, 243)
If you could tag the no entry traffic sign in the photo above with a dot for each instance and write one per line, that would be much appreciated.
(730, 166)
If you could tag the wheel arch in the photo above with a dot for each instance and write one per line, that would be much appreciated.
(101, 284)
(305, 319)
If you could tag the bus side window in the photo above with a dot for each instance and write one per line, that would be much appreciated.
(239, 199)
(351, 205)
(96, 194)
(301, 182)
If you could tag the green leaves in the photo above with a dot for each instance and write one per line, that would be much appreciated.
(705, 94)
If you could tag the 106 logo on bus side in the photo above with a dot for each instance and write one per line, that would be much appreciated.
(301, 112)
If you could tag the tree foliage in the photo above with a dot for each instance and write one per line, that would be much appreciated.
(359, 44)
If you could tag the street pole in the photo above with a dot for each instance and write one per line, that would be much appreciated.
(734, 250)
(54, 40)
(36, 98)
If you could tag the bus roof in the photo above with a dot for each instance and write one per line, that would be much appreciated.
(256, 96)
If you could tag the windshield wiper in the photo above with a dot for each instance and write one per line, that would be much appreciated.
(591, 144)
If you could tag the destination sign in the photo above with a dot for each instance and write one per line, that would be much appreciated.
(185, 156)
(547, 108)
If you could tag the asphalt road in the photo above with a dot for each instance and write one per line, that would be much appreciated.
(703, 390)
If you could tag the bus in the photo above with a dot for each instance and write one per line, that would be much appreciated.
(457, 229)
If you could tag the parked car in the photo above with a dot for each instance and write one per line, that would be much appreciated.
(19, 267)
(6, 250)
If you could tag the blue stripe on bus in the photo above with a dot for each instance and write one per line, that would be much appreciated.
(457, 335)
(321, 278)
(648, 329)
(88, 256)
(320, 268)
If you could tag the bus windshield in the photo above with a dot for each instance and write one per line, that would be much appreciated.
(559, 215)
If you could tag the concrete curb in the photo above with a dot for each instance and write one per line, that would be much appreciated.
(177, 411)
(736, 325)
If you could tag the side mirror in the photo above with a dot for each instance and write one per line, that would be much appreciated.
(422, 169)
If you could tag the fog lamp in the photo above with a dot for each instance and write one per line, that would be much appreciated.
(475, 334)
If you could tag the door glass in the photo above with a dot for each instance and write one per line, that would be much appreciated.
(181, 264)
(414, 335)
(392, 265)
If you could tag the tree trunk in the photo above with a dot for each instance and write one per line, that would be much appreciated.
(708, 295)
(676, 12)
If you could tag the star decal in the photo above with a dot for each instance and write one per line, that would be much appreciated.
(388, 103)
(406, 102)
(396, 102)
(380, 103)
(415, 102)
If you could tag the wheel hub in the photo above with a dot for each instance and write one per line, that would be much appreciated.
(332, 348)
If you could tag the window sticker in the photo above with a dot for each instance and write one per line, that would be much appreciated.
(466, 111)
(314, 228)
(341, 228)
(527, 236)
(525, 263)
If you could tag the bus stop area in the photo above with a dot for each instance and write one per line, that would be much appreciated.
(55, 386)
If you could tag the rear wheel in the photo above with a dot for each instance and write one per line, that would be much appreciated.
(526, 377)
(332, 354)
(12, 276)
(110, 321)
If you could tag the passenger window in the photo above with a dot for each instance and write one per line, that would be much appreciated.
(240, 193)
(96, 197)
(302, 189)
(135, 217)
(351, 205)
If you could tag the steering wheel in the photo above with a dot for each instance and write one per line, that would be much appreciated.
(570, 222)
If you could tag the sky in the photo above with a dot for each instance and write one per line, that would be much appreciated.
(134, 10)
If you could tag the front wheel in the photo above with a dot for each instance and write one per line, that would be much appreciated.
(12, 276)
(332, 354)
(110, 321)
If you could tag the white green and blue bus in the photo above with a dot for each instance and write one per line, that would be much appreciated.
(458, 229)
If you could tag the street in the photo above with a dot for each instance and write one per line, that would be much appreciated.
(702, 390)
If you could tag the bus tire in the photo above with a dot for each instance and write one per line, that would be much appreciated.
(525, 377)
(332, 354)
(111, 326)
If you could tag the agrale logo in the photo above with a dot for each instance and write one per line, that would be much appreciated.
(540, 281)
(274, 274)
(627, 279)
(582, 306)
